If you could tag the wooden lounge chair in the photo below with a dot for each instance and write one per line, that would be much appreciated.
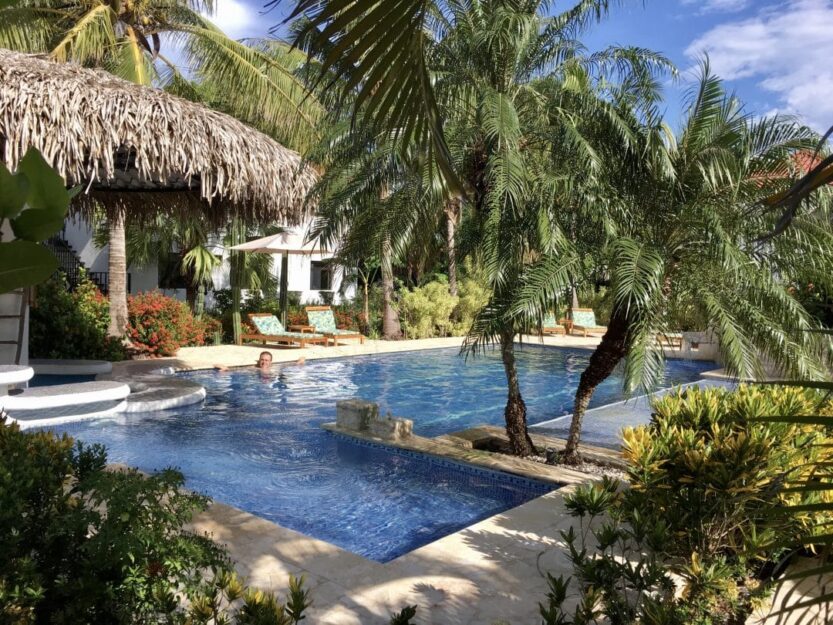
(584, 322)
(324, 322)
(270, 330)
(673, 340)
(551, 326)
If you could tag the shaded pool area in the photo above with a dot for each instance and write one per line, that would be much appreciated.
(257, 443)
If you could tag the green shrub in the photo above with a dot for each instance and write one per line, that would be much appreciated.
(473, 295)
(83, 545)
(624, 575)
(713, 472)
(425, 311)
(693, 538)
(71, 324)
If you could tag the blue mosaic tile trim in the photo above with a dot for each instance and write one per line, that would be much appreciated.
(498, 478)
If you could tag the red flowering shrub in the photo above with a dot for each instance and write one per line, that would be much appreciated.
(347, 318)
(296, 317)
(159, 325)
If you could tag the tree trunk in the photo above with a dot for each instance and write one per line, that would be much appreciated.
(515, 412)
(199, 301)
(391, 329)
(451, 212)
(117, 266)
(237, 235)
(607, 355)
(366, 304)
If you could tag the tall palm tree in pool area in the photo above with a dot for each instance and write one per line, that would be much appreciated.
(687, 219)
(511, 86)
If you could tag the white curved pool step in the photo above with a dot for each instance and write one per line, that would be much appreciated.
(14, 374)
(56, 366)
(67, 414)
(64, 395)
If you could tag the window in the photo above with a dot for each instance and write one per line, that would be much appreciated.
(320, 276)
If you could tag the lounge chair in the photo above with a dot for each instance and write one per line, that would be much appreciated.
(584, 322)
(270, 330)
(551, 326)
(323, 320)
(673, 340)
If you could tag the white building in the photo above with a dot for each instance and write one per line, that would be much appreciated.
(312, 276)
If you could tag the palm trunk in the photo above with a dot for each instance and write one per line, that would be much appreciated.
(391, 329)
(237, 235)
(451, 210)
(366, 304)
(117, 266)
(199, 301)
(515, 412)
(607, 355)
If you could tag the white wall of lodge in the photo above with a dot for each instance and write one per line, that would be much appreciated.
(304, 272)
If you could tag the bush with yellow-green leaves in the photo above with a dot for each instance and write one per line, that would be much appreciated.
(712, 506)
(714, 470)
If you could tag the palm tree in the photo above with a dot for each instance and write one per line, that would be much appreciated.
(184, 240)
(487, 61)
(251, 81)
(684, 224)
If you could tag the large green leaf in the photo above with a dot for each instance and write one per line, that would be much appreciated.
(23, 263)
(47, 201)
(13, 191)
(47, 189)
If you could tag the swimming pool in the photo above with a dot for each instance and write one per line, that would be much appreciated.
(257, 443)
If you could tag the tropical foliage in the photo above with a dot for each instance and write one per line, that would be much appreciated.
(256, 82)
(711, 514)
(684, 220)
(34, 202)
(80, 318)
(87, 545)
(512, 86)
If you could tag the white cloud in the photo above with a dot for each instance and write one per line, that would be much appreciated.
(786, 49)
(719, 6)
(236, 19)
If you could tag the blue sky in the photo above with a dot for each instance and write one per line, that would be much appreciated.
(777, 55)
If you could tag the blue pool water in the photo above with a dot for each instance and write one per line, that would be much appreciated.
(50, 380)
(257, 443)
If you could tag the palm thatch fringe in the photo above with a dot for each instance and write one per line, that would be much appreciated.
(142, 150)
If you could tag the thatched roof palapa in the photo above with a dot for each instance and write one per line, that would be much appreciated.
(142, 149)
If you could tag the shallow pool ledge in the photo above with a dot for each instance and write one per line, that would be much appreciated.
(497, 462)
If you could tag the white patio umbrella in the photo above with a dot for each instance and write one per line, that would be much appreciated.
(283, 243)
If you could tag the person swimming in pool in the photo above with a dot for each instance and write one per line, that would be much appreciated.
(263, 363)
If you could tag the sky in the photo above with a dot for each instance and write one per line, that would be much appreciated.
(776, 55)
